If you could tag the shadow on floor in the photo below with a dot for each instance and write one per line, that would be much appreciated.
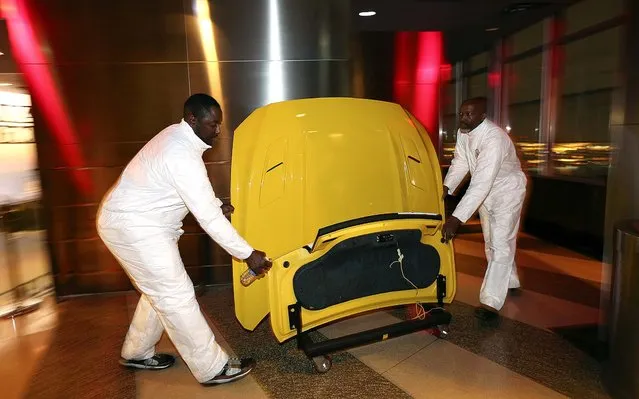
(585, 338)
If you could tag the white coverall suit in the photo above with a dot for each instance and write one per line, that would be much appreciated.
(498, 189)
(140, 222)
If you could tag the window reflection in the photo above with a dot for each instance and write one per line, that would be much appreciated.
(582, 139)
(449, 122)
(524, 104)
(578, 101)
(477, 85)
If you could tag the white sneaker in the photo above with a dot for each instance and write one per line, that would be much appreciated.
(234, 369)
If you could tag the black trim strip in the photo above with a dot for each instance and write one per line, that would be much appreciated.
(273, 167)
(589, 92)
(569, 95)
(476, 72)
(526, 54)
(567, 39)
(592, 30)
(527, 102)
(374, 218)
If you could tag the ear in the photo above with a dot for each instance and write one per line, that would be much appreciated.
(191, 119)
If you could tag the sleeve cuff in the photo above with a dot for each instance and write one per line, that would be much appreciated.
(244, 253)
(461, 216)
(451, 189)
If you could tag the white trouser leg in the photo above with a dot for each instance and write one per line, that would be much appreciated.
(144, 332)
(153, 263)
(484, 218)
(503, 226)
(513, 281)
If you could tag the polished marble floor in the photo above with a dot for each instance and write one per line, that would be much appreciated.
(69, 349)
(30, 264)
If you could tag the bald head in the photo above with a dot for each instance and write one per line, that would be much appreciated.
(472, 113)
(480, 103)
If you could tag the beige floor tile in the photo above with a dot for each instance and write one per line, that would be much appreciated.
(443, 370)
(532, 308)
(574, 265)
(178, 382)
(380, 356)
(351, 325)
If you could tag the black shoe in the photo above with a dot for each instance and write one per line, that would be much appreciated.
(485, 314)
(158, 362)
(515, 291)
(234, 369)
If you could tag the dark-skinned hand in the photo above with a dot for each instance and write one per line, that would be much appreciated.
(258, 262)
(449, 230)
(445, 193)
(227, 209)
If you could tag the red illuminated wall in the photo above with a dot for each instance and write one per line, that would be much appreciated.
(418, 74)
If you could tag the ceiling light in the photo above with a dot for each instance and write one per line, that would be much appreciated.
(492, 29)
(1, 53)
(6, 84)
(367, 13)
(519, 7)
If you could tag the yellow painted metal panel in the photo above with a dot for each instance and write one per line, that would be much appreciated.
(302, 165)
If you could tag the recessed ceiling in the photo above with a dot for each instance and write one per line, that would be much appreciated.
(467, 24)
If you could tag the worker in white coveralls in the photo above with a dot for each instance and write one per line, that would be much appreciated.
(497, 189)
(140, 222)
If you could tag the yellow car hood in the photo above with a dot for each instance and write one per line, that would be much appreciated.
(303, 165)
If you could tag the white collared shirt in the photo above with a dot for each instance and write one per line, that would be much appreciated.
(488, 153)
(165, 180)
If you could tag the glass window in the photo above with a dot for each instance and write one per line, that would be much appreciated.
(587, 13)
(527, 39)
(477, 85)
(449, 106)
(524, 104)
(582, 139)
(476, 62)
(449, 121)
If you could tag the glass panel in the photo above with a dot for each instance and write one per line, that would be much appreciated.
(524, 93)
(528, 38)
(476, 62)
(587, 13)
(449, 138)
(448, 99)
(24, 262)
(582, 140)
(477, 85)
(449, 122)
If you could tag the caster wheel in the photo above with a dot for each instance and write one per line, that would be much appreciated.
(322, 363)
(441, 332)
